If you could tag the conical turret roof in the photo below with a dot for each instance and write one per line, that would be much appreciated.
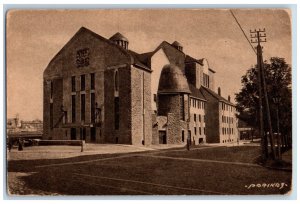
(172, 80)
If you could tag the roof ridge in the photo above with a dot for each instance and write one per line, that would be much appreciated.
(217, 96)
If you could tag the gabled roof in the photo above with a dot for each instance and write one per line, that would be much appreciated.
(189, 59)
(177, 44)
(213, 71)
(196, 92)
(174, 55)
(215, 95)
(134, 60)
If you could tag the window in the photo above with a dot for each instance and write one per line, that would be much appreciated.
(51, 89)
(116, 81)
(199, 118)
(82, 82)
(195, 130)
(73, 108)
(198, 104)
(92, 81)
(82, 107)
(93, 109)
(208, 81)
(73, 84)
(51, 115)
(195, 117)
(117, 114)
(182, 135)
(181, 107)
(200, 130)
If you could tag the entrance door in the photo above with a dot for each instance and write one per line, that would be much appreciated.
(73, 133)
(162, 137)
(93, 134)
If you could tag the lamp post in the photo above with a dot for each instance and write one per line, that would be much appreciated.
(276, 101)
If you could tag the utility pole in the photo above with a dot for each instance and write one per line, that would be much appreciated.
(260, 36)
(264, 141)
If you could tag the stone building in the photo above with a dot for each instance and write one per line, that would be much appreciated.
(98, 90)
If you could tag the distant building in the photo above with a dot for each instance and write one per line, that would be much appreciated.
(98, 90)
(12, 124)
(35, 125)
(246, 131)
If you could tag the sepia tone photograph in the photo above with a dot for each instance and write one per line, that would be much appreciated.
(152, 102)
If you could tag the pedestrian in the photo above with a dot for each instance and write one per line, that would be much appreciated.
(10, 144)
(188, 143)
(20, 144)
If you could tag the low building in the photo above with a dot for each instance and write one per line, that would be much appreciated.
(34, 125)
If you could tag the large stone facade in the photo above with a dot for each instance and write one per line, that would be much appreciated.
(98, 90)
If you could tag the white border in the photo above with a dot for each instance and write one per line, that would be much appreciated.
(139, 3)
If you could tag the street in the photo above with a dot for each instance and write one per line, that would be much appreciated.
(205, 170)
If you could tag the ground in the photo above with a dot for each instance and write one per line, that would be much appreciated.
(130, 170)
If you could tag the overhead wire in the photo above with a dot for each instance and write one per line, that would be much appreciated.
(242, 31)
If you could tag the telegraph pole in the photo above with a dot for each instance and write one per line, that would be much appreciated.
(260, 36)
(264, 141)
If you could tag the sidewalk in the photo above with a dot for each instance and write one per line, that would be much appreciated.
(59, 152)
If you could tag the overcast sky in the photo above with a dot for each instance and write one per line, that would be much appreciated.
(34, 37)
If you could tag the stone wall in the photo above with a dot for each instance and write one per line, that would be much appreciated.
(212, 123)
(102, 55)
(57, 100)
(155, 127)
(141, 124)
(173, 129)
(169, 103)
(123, 133)
(46, 110)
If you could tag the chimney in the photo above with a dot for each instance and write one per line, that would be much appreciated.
(229, 98)
(219, 91)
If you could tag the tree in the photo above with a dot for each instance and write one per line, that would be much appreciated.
(278, 83)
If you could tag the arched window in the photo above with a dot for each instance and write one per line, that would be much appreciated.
(116, 80)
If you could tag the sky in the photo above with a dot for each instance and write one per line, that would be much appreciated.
(33, 37)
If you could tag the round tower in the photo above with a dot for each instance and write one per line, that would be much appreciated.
(173, 92)
(120, 40)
